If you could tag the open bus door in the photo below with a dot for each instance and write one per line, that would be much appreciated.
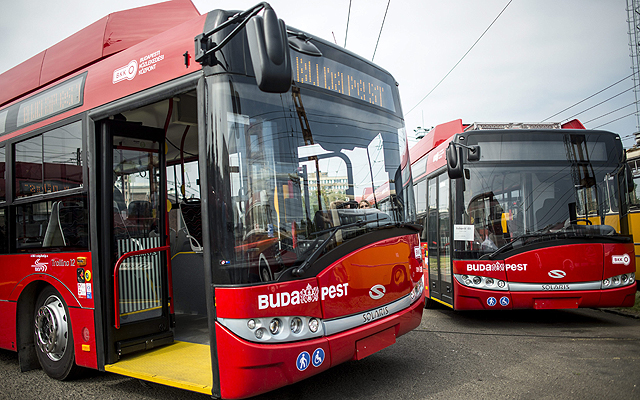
(439, 242)
(134, 251)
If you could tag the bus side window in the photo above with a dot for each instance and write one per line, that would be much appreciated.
(58, 223)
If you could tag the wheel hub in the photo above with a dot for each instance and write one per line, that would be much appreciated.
(51, 328)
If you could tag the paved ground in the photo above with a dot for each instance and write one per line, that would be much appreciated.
(546, 354)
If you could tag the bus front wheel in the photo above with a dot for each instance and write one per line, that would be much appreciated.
(52, 335)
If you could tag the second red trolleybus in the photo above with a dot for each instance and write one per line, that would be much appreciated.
(524, 216)
(184, 215)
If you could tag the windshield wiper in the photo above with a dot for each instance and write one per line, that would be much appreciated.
(316, 253)
(515, 239)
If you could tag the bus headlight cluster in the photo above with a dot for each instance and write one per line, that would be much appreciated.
(417, 290)
(274, 329)
(619, 281)
(481, 282)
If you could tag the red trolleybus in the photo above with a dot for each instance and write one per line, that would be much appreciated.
(184, 216)
(516, 216)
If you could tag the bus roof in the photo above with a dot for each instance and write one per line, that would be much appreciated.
(434, 137)
(107, 36)
(443, 132)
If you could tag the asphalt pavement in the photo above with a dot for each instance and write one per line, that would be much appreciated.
(528, 354)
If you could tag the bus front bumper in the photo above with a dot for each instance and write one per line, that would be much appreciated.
(248, 369)
(478, 299)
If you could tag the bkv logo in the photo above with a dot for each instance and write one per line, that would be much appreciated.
(127, 72)
(624, 259)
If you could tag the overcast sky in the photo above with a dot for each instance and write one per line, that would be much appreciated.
(540, 56)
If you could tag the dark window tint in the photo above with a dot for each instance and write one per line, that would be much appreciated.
(50, 162)
(56, 223)
(63, 157)
(3, 196)
(29, 167)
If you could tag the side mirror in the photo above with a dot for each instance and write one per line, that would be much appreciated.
(269, 50)
(474, 153)
(455, 167)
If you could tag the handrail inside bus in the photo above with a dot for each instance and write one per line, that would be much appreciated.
(116, 268)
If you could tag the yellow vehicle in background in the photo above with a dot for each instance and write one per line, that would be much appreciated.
(633, 161)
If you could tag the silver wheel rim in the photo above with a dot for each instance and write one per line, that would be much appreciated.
(51, 328)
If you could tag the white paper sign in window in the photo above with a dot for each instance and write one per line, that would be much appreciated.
(463, 232)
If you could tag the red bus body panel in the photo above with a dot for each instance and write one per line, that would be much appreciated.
(259, 368)
(60, 270)
(109, 35)
(580, 263)
(159, 59)
(8, 325)
(375, 264)
(342, 289)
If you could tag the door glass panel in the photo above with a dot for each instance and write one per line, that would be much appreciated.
(443, 230)
(432, 228)
(3, 196)
(136, 226)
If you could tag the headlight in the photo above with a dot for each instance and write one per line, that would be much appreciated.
(296, 325)
(274, 326)
(618, 281)
(417, 290)
(274, 329)
(314, 324)
(481, 282)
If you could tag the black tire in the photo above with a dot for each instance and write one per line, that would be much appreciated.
(53, 337)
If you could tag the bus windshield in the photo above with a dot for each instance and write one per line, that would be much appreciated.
(554, 187)
(303, 168)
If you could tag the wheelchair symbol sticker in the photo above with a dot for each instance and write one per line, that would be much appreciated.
(491, 301)
(302, 362)
(504, 301)
(318, 357)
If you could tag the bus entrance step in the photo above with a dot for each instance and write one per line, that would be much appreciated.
(144, 343)
(181, 365)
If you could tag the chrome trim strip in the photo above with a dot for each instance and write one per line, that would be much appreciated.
(327, 327)
(554, 287)
(337, 325)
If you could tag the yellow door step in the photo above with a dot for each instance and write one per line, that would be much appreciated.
(182, 365)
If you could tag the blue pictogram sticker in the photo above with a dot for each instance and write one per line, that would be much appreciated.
(491, 301)
(302, 362)
(318, 357)
(504, 301)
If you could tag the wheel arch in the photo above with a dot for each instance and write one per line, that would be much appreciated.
(25, 310)
(24, 325)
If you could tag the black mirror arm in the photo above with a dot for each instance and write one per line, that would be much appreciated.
(244, 17)
(472, 149)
